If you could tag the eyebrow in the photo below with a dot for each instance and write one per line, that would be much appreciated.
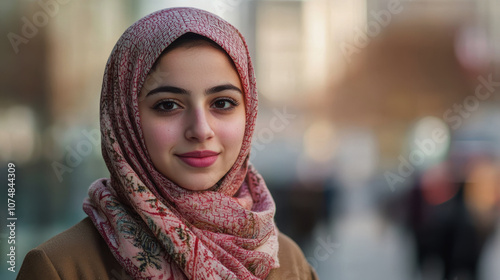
(178, 90)
(224, 87)
(171, 89)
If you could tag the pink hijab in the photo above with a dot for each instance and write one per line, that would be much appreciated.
(154, 228)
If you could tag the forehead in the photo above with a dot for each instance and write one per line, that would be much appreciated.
(183, 54)
(190, 68)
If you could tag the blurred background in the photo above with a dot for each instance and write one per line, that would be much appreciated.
(377, 131)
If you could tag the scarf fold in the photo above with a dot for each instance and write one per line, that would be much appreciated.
(154, 228)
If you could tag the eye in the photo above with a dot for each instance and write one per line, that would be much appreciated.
(225, 103)
(166, 106)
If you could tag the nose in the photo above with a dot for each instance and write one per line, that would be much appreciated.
(198, 128)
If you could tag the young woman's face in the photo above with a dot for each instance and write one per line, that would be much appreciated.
(193, 116)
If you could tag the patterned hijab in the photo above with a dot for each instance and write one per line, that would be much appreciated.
(155, 228)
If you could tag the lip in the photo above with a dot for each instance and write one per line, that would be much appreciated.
(199, 158)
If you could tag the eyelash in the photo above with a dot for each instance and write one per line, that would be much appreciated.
(234, 103)
(157, 105)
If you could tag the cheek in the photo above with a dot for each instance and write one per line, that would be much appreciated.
(233, 133)
(158, 136)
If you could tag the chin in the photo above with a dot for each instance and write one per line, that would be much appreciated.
(198, 188)
(194, 186)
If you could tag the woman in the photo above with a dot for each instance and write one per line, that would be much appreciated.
(178, 108)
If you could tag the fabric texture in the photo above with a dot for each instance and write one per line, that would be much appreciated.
(81, 253)
(155, 228)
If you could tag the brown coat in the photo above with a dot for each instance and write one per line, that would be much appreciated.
(81, 253)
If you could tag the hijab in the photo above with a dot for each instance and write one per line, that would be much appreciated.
(155, 228)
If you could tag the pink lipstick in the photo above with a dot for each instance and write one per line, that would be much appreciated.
(199, 158)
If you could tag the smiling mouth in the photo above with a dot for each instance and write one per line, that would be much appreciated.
(199, 159)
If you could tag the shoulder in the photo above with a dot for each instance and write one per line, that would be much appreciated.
(293, 264)
(81, 253)
(77, 253)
